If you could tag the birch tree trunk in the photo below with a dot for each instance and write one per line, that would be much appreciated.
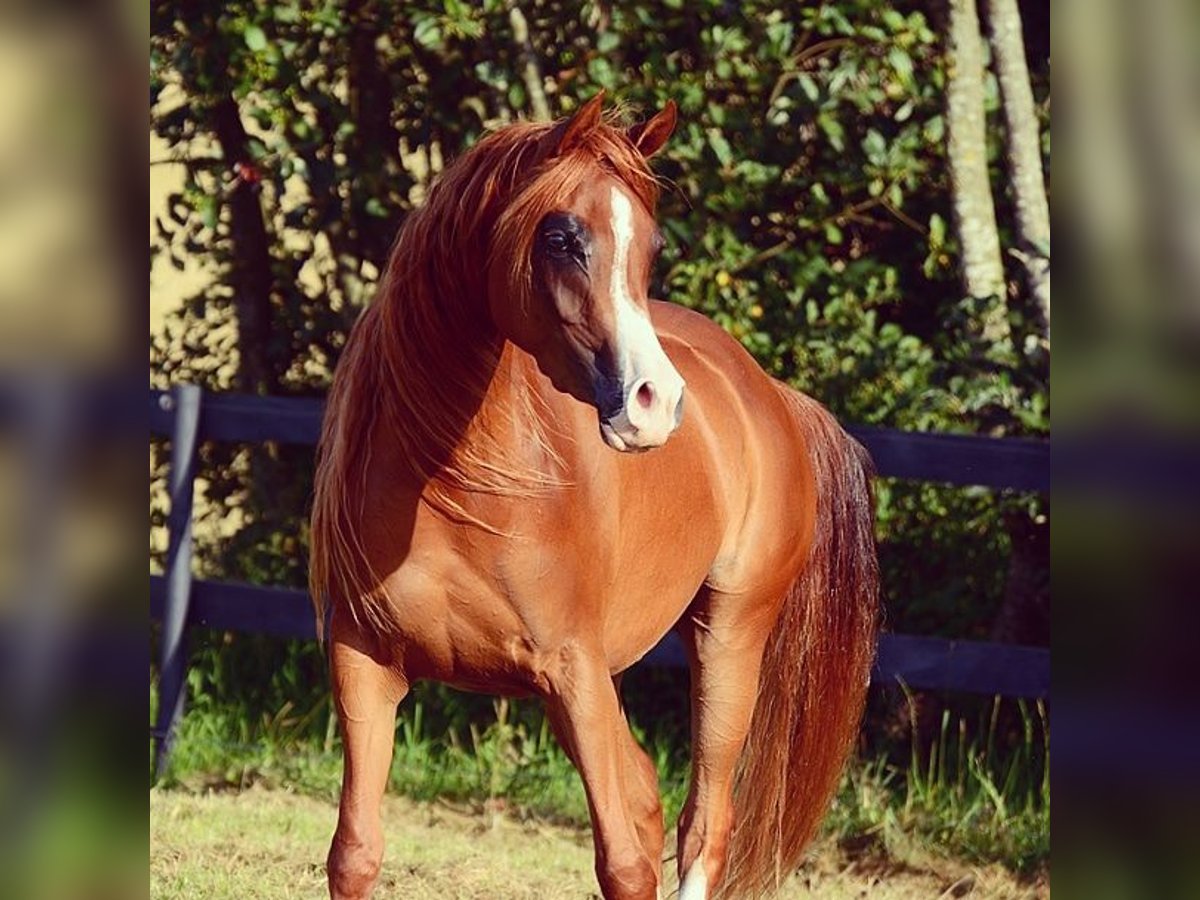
(1023, 149)
(974, 212)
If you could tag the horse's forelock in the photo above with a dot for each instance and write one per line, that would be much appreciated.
(547, 188)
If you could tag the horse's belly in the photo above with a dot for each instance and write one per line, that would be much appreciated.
(638, 623)
(652, 587)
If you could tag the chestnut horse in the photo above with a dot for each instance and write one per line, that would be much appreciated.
(485, 516)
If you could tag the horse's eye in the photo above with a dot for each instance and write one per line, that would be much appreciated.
(558, 242)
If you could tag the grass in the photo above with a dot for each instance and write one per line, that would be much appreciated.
(959, 793)
(507, 764)
(259, 843)
(977, 792)
(271, 844)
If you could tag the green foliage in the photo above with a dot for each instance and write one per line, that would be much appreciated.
(448, 745)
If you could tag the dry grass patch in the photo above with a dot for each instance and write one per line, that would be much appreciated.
(271, 844)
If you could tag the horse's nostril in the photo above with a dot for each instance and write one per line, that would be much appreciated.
(645, 395)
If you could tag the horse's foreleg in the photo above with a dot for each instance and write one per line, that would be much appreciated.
(645, 803)
(366, 692)
(585, 713)
(725, 662)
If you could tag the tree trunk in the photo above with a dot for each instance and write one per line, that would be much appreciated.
(1162, 140)
(252, 279)
(531, 72)
(251, 275)
(1024, 149)
(974, 212)
(376, 142)
(1024, 616)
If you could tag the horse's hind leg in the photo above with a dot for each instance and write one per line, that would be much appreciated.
(366, 691)
(584, 710)
(724, 647)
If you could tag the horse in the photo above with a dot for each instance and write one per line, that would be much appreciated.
(529, 473)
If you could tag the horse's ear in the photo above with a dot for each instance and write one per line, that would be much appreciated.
(649, 136)
(581, 124)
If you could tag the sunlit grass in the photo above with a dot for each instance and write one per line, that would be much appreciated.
(960, 793)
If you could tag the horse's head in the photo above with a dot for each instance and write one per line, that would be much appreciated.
(574, 290)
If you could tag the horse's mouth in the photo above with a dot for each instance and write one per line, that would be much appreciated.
(636, 419)
(611, 437)
(623, 442)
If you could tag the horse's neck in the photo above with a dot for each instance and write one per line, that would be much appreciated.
(469, 398)
(510, 431)
(509, 401)
(459, 362)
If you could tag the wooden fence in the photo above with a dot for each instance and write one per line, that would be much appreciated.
(187, 416)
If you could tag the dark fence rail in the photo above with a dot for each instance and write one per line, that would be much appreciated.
(963, 459)
(187, 416)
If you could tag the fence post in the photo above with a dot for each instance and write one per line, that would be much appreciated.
(172, 673)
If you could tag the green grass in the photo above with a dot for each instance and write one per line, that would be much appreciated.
(969, 791)
(508, 761)
(961, 793)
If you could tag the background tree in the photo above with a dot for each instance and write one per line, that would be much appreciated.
(967, 155)
(1024, 150)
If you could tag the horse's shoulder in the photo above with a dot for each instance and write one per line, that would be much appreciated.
(675, 320)
(709, 357)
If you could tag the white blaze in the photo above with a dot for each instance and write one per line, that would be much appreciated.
(637, 344)
(639, 355)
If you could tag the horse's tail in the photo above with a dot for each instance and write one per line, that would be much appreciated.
(815, 668)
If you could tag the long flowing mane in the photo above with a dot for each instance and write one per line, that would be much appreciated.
(420, 367)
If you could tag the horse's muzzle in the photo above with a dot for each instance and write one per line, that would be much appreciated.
(649, 415)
